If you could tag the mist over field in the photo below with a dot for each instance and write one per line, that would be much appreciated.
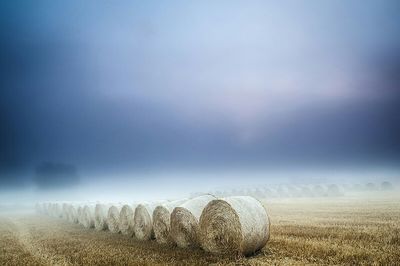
(156, 100)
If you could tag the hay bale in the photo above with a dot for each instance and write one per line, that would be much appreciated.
(306, 191)
(319, 191)
(126, 219)
(87, 216)
(143, 222)
(73, 213)
(162, 220)
(234, 225)
(79, 210)
(185, 221)
(100, 216)
(113, 218)
(371, 187)
(65, 211)
(334, 191)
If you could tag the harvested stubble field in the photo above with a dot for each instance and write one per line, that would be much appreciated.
(339, 231)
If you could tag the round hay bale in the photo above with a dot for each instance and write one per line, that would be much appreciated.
(38, 208)
(371, 187)
(235, 225)
(319, 191)
(334, 191)
(113, 218)
(65, 211)
(283, 191)
(306, 191)
(185, 221)
(79, 211)
(162, 220)
(73, 213)
(87, 216)
(100, 216)
(143, 222)
(126, 219)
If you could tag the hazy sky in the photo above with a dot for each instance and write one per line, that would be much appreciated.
(144, 85)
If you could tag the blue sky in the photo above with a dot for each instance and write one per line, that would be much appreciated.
(139, 86)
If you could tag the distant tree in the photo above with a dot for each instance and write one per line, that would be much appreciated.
(51, 175)
(386, 186)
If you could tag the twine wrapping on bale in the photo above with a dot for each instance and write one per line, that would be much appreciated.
(87, 216)
(162, 221)
(126, 219)
(234, 225)
(113, 218)
(100, 216)
(142, 221)
(185, 221)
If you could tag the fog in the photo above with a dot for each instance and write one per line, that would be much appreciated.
(133, 100)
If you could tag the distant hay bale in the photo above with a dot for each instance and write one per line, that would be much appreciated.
(126, 219)
(306, 191)
(162, 220)
(79, 211)
(234, 225)
(371, 187)
(185, 221)
(319, 191)
(387, 186)
(38, 208)
(100, 216)
(283, 191)
(73, 213)
(65, 211)
(143, 222)
(113, 218)
(87, 216)
(294, 191)
(333, 191)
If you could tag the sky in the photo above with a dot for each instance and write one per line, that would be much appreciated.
(145, 88)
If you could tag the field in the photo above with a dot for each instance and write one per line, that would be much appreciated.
(345, 230)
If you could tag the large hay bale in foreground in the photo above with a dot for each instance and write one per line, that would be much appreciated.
(100, 216)
(162, 220)
(113, 218)
(185, 221)
(126, 219)
(143, 222)
(87, 216)
(234, 225)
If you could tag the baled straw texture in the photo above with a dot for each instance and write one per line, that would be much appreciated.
(162, 220)
(185, 221)
(234, 225)
(87, 216)
(142, 221)
(126, 219)
(100, 216)
(113, 218)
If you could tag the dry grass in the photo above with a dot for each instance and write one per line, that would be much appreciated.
(324, 231)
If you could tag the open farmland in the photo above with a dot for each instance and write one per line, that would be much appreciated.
(347, 230)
